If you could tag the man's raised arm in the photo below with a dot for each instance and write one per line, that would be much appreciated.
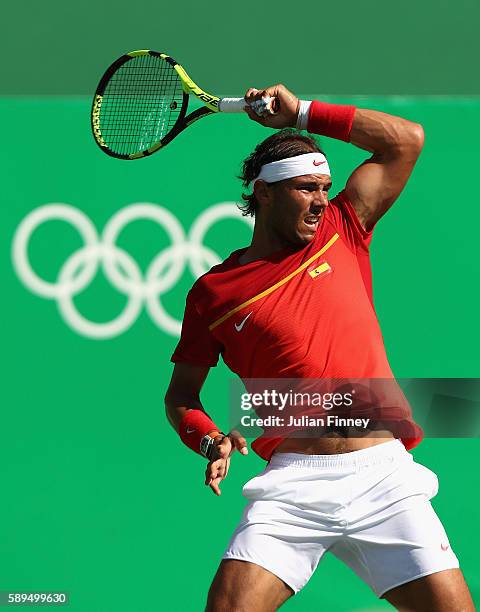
(395, 143)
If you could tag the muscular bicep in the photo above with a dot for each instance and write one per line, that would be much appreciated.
(396, 144)
(183, 392)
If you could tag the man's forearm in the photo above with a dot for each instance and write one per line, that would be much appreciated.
(384, 134)
(176, 406)
(187, 416)
(371, 130)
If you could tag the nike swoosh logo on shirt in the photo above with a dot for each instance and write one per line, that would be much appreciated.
(190, 430)
(239, 327)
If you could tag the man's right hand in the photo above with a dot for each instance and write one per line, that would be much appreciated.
(287, 105)
(217, 468)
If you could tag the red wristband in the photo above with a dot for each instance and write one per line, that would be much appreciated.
(194, 425)
(333, 120)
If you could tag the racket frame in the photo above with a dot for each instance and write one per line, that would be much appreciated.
(210, 104)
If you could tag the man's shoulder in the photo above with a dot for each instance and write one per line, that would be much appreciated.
(207, 281)
(338, 202)
(342, 216)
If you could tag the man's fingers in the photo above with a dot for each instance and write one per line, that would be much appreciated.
(252, 114)
(216, 469)
(251, 91)
(284, 105)
(275, 91)
(223, 449)
(279, 91)
(210, 473)
(241, 445)
(253, 94)
(239, 442)
(209, 476)
(253, 97)
(214, 485)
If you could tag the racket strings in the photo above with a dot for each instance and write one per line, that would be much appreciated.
(141, 104)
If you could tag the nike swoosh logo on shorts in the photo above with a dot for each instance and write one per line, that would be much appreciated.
(318, 163)
(239, 327)
(190, 430)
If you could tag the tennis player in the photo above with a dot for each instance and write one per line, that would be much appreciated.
(297, 303)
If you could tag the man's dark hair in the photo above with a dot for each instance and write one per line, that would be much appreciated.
(284, 143)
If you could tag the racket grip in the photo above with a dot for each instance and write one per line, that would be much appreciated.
(264, 107)
(231, 105)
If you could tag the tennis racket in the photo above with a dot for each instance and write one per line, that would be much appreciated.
(141, 102)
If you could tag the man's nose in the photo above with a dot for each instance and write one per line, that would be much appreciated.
(320, 201)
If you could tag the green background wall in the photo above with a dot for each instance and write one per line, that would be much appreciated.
(369, 47)
(99, 497)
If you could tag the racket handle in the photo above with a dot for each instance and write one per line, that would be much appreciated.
(232, 105)
(263, 107)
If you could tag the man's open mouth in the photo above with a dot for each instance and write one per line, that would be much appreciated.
(312, 220)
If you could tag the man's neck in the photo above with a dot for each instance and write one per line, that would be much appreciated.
(263, 244)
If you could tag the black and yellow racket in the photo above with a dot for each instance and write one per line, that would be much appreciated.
(141, 104)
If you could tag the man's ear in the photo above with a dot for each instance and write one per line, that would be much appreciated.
(263, 193)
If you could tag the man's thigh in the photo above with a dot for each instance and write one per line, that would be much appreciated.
(440, 592)
(241, 586)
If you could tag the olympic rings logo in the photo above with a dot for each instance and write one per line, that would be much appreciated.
(118, 266)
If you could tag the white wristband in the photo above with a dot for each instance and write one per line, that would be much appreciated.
(302, 118)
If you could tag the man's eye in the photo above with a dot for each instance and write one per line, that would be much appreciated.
(313, 188)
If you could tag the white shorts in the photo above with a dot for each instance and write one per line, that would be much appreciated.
(370, 508)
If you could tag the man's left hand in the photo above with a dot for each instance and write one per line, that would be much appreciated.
(217, 468)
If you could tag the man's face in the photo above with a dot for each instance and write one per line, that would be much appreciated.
(297, 207)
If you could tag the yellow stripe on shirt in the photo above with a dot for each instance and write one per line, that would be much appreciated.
(276, 285)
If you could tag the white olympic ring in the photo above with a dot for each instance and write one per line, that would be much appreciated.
(121, 270)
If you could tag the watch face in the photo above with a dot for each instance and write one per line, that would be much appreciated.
(205, 445)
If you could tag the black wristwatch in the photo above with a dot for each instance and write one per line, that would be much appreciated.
(206, 443)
